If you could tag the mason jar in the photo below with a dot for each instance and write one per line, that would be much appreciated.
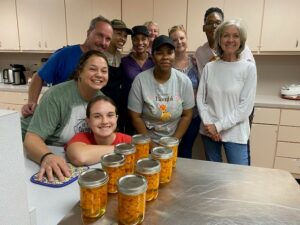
(149, 168)
(128, 150)
(131, 199)
(142, 145)
(114, 165)
(93, 193)
(172, 143)
(165, 157)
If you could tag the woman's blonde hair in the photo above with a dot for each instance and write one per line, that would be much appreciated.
(176, 28)
(220, 30)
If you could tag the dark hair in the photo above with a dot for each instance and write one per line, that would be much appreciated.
(97, 20)
(97, 99)
(213, 10)
(83, 59)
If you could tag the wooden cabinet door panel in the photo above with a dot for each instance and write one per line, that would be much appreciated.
(266, 115)
(263, 145)
(290, 117)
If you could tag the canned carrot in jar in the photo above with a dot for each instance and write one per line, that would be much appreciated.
(114, 165)
(150, 169)
(172, 143)
(131, 199)
(93, 193)
(142, 145)
(165, 157)
(128, 150)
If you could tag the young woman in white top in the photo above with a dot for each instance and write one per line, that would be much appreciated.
(226, 96)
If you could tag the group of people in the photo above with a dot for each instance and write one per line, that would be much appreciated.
(158, 90)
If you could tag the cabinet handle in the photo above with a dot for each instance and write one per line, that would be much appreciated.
(0, 44)
(46, 46)
(297, 42)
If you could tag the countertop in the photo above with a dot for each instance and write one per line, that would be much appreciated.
(18, 88)
(200, 192)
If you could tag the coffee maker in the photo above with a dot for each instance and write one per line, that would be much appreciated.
(14, 74)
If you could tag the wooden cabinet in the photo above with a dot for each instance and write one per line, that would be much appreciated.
(251, 14)
(130, 10)
(263, 137)
(13, 100)
(279, 32)
(77, 26)
(195, 21)
(42, 24)
(275, 139)
(9, 38)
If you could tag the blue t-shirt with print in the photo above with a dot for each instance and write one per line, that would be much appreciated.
(61, 64)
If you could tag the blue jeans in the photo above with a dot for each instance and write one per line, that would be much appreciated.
(235, 153)
(188, 139)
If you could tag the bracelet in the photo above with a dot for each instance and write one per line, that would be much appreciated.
(44, 156)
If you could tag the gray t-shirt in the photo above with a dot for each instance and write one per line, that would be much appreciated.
(161, 105)
(59, 115)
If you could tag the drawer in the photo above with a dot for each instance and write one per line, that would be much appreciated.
(289, 164)
(290, 117)
(266, 116)
(291, 150)
(289, 134)
(13, 97)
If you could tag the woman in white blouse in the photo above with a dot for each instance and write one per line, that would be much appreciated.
(226, 96)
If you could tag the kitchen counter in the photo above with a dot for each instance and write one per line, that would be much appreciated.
(18, 88)
(271, 101)
(200, 192)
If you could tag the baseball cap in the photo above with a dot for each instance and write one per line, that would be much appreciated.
(140, 30)
(120, 25)
(162, 40)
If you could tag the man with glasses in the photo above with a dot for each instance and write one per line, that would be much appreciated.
(212, 19)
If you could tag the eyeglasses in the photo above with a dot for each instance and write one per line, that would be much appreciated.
(212, 24)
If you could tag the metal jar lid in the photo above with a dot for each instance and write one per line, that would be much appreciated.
(140, 139)
(147, 166)
(168, 141)
(113, 160)
(125, 149)
(161, 153)
(132, 184)
(93, 178)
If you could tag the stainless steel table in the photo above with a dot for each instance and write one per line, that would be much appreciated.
(216, 193)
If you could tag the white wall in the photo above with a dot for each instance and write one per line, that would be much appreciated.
(13, 194)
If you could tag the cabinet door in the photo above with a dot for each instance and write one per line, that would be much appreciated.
(41, 24)
(168, 13)
(251, 13)
(79, 14)
(109, 9)
(279, 31)
(78, 17)
(53, 24)
(136, 12)
(195, 21)
(8, 25)
(30, 26)
(263, 145)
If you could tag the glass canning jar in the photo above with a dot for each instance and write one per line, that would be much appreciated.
(142, 145)
(114, 165)
(128, 150)
(131, 199)
(93, 193)
(172, 143)
(165, 157)
(150, 169)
